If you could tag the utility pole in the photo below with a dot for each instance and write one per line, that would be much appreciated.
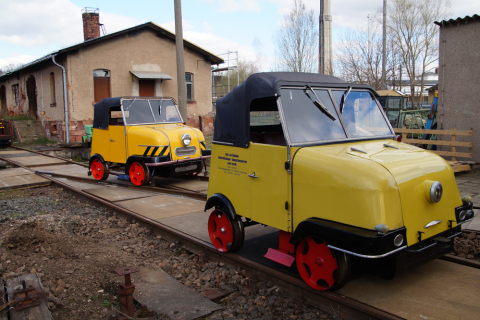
(182, 87)
(325, 63)
(384, 52)
(369, 38)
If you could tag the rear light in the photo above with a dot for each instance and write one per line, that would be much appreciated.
(398, 138)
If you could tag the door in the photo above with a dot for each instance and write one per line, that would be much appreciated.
(3, 101)
(117, 144)
(269, 186)
(146, 88)
(32, 97)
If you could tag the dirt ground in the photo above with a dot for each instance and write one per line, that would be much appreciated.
(74, 245)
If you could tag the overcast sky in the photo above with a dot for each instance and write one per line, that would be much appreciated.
(30, 29)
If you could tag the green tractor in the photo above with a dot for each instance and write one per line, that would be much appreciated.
(87, 138)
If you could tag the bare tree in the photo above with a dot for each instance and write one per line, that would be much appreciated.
(359, 59)
(296, 42)
(411, 26)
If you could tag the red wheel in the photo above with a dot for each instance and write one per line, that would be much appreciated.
(226, 235)
(139, 174)
(316, 264)
(99, 169)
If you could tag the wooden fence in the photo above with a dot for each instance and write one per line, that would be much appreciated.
(453, 143)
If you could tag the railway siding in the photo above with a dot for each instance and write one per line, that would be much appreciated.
(364, 297)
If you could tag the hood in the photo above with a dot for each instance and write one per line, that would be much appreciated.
(169, 135)
(413, 170)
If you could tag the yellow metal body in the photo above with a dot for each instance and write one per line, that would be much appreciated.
(381, 186)
(118, 143)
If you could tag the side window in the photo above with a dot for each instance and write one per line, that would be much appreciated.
(265, 125)
(53, 102)
(189, 83)
(16, 94)
(101, 84)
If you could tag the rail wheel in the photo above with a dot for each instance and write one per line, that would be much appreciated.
(99, 169)
(139, 174)
(227, 235)
(318, 267)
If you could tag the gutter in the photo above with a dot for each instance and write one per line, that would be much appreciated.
(65, 100)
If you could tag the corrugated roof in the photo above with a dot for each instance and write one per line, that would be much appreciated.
(466, 19)
(160, 32)
(151, 75)
(391, 93)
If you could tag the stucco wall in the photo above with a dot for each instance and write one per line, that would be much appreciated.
(459, 81)
(45, 112)
(141, 51)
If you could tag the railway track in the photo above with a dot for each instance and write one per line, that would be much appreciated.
(333, 302)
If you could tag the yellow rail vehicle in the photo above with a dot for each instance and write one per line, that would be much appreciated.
(147, 136)
(316, 158)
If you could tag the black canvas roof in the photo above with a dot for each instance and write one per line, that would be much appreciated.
(232, 120)
(101, 111)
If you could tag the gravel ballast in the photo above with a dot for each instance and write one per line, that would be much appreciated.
(74, 244)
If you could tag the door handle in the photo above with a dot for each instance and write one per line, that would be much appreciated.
(112, 140)
(253, 175)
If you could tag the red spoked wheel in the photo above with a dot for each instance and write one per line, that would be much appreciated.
(226, 235)
(316, 263)
(139, 174)
(99, 169)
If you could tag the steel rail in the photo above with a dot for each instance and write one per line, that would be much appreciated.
(328, 301)
(200, 178)
(190, 193)
(48, 155)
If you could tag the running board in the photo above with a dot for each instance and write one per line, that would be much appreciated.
(280, 257)
(285, 254)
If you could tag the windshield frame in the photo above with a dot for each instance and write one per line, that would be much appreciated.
(343, 140)
(133, 99)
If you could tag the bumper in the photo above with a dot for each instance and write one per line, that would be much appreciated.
(165, 163)
(415, 255)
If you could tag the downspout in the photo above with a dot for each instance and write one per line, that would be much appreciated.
(65, 100)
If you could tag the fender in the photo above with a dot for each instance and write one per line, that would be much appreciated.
(95, 156)
(219, 200)
(350, 239)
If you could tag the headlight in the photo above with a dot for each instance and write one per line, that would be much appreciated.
(186, 139)
(382, 228)
(462, 215)
(470, 214)
(433, 191)
(398, 240)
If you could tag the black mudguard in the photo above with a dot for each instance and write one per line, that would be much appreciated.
(219, 200)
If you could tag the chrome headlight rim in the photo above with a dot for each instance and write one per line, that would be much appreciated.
(398, 240)
(186, 139)
(436, 192)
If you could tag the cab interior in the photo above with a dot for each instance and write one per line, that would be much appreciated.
(271, 132)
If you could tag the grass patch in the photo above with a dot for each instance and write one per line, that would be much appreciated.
(43, 141)
(18, 118)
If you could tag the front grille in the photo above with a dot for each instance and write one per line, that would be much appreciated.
(185, 151)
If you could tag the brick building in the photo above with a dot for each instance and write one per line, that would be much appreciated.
(139, 61)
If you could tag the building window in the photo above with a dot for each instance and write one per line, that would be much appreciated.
(101, 84)
(53, 102)
(16, 94)
(189, 83)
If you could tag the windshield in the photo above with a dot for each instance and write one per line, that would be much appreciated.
(306, 122)
(143, 111)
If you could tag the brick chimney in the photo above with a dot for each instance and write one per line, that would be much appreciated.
(91, 23)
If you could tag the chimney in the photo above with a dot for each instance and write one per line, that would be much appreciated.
(91, 23)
